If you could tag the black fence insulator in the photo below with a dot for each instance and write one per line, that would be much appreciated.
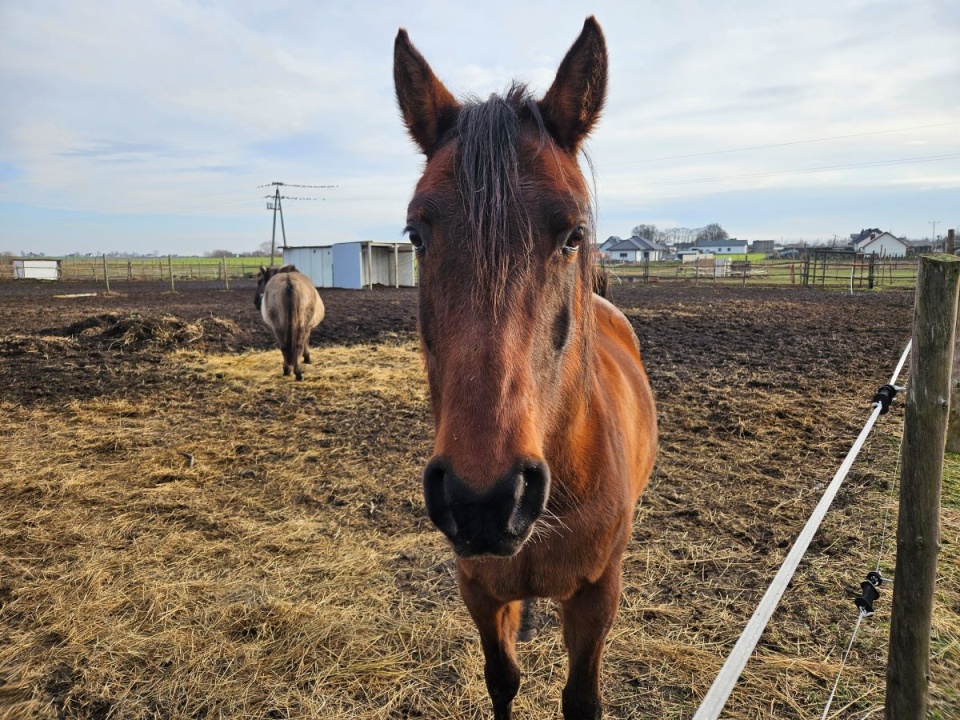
(868, 593)
(884, 397)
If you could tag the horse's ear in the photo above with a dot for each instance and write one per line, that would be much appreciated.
(573, 103)
(263, 270)
(428, 108)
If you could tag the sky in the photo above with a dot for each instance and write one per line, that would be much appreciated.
(158, 127)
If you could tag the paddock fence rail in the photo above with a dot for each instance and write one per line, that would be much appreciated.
(854, 273)
(827, 271)
(120, 269)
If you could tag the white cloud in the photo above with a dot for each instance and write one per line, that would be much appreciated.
(171, 107)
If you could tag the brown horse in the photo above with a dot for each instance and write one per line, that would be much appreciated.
(545, 421)
(291, 307)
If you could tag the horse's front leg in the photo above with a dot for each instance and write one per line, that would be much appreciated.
(587, 618)
(498, 624)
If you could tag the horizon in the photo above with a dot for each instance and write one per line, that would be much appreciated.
(161, 129)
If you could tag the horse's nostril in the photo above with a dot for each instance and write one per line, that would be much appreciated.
(533, 488)
(436, 495)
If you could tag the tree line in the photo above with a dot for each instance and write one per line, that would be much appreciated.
(670, 236)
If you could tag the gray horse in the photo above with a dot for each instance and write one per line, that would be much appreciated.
(291, 307)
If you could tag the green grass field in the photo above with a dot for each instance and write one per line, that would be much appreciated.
(161, 268)
(759, 271)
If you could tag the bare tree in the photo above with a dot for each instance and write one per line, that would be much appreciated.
(713, 231)
(647, 232)
(678, 235)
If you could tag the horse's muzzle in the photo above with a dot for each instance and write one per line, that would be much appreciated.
(495, 521)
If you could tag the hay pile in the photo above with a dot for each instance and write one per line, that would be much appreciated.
(136, 331)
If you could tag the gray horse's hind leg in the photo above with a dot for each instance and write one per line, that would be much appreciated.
(289, 359)
(528, 628)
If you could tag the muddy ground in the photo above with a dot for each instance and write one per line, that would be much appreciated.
(808, 336)
(760, 394)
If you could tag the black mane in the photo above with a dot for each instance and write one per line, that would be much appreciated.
(488, 177)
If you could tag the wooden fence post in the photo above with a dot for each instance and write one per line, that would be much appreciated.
(106, 274)
(953, 424)
(170, 270)
(918, 529)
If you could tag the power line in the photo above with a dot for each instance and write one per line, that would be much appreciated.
(277, 206)
(283, 184)
(290, 197)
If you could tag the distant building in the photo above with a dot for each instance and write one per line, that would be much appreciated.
(731, 246)
(355, 265)
(693, 255)
(878, 242)
(635, 249)
(763, 246)
(608, 243)
(857, 237)
(36, 269)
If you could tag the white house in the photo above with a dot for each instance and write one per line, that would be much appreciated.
(634, 249)
(355, 265)
(879, 243)
(608, 243)
(723, 247)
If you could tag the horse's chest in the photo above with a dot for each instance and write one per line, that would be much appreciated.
(550, 569)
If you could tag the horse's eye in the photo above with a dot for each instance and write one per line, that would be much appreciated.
(574, 240)
(414, 237)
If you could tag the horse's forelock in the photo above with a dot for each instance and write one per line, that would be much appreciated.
(487, 168)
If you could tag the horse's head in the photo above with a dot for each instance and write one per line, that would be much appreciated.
(502, 225)
(263, 277)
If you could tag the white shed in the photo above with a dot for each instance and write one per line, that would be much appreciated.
(36, 269)
(355, 265)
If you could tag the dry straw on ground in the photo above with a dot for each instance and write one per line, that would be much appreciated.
(228, 544)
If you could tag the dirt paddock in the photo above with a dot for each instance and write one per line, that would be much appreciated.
(184, 533)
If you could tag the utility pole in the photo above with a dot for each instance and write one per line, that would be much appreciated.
(277, 206)
(933, 240)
